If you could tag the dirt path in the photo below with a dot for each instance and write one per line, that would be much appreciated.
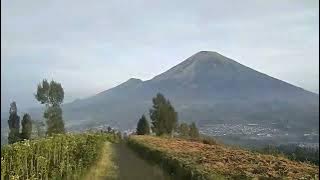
(132, 167)
(105, 167)
(119, 162)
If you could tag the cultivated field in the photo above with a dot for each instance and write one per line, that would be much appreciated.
(195, 160)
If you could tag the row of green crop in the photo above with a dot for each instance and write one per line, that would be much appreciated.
(176, 168)
(65, 156)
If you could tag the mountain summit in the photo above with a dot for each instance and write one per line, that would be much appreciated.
(201, 62)
(210, 75)
(207, 88)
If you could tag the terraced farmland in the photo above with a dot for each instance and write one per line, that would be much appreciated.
(195, 160)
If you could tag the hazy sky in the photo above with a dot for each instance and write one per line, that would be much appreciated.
(90, 46)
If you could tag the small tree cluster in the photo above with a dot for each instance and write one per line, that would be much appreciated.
(186, 130)
(26, 127)
(163, 117)
(14, 125)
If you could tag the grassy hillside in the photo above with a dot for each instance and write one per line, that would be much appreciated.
(66, 156)
(195, 160)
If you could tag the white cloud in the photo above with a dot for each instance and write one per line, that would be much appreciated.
(103, 43)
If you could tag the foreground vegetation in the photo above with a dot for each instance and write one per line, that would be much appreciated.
(195, 160)
(67, 156)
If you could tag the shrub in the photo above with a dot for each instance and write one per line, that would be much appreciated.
(209, 140)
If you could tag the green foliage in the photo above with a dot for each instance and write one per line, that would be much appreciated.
(194, 132)
(164, 118)
(57, 157)
(43, 92)
(55, 124)
(183, 130)
(119, 135)
(52, 96)
(14, 124)
(143, 126)
(13, 136)
(188, 131)
(26, 127)
(56, 93)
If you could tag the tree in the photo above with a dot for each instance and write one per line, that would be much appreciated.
(143, 126)
(109, 129)
(163, 116)
(194, 132)
(14, 124)
(55, 124)
(52, 96)
(184, 130)
(26, 127)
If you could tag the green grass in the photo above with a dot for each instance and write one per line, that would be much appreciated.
(104, 168)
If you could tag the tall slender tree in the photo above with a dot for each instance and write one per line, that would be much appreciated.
(14, 124)
(51, 95)
(143, 126)
(26, 127)
(163, 116)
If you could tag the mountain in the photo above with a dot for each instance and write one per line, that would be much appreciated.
(207, 88)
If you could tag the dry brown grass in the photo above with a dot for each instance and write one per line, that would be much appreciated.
(220, 159)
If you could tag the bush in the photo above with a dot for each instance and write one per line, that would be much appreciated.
(209, 140)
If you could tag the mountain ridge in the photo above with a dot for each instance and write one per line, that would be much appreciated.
(196, 58)
(207, 88)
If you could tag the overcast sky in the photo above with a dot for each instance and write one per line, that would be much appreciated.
(90, 46)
